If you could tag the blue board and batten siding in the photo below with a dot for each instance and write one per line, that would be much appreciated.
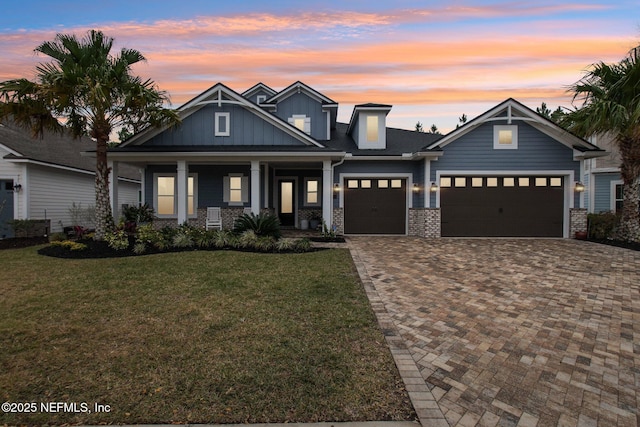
(302, 104)
(602, 192)
(475, 152)
(246, 129)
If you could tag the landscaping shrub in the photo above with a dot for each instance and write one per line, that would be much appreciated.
(118, 240)
(263, 224)
(138, 214)
(601, 226)
(148, 236)
(70, 244)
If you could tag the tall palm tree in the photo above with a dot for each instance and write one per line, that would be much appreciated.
(610, 95)
(92, 92)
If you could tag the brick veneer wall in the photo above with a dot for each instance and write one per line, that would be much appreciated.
(424, 222)
(338, 220)
(577, 221)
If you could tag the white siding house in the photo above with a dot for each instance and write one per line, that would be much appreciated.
(42, 178)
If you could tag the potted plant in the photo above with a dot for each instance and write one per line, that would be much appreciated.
(314, 221)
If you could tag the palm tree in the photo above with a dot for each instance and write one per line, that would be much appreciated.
(610, 95)
(93, 93)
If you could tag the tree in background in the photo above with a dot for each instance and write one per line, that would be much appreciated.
(610, 97)
(419, 127)
(92, 92)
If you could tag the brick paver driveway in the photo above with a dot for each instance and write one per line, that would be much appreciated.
(516, 331)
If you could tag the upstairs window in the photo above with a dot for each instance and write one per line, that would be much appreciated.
(222, 122)
(302, 122)
(261, 99)
(372, 128)
(505, 137)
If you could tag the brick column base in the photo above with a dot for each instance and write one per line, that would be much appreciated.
(577, 221)
(424, 222)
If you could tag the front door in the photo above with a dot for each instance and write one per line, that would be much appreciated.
(6, 208)
(286, 202)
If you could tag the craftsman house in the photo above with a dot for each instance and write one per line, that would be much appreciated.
(508, 172)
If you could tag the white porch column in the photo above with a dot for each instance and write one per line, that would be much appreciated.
(182, 192)
(327, 193)
(266, 186)
(255, 187)
(427, 183)
(113, 189)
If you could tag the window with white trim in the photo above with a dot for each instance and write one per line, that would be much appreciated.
(302, 122)
(618, 197)
(236, 189)
(165, 201)
(222, 124)
(372, 128)
(261, 98)
(312, 192)
(505, 137)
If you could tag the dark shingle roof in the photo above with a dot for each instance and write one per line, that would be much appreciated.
(54, 149)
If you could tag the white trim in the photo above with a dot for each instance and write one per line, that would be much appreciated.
(66, 168)
(427, 183)
(227, 121)
(175, 194)
(568, 175)
(14, 152)
(408, 190)
(255, 187)
(514, 136)
(612, 193)
(260, 101)
(319, 191)
(150, 157)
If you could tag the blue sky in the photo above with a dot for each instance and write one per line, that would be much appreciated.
(432, 60)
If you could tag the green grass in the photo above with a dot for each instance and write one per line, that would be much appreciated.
(198, 337)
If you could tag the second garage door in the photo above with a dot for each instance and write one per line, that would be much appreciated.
(524, 206)
(375, 206)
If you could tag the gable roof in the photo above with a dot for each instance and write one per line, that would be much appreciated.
(257, 88)
(512, 110)
(221, 94)
(298, 87)
(53, 149)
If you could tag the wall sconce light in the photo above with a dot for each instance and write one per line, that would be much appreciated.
(336, 187)
(579, 187)
(434, 187)
(17, 188)
(416, 187)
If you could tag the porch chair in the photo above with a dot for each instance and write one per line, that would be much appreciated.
(214, 220)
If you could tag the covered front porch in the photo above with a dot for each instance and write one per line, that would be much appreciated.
(297, 189)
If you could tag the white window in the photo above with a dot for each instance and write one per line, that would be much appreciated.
(365, 183)
(383, 183)
(222, 125)
(372, 128)
(396, 183)
(460, 181)
(508, 182)
(541, 182)
(555, 182)
(302, 122)
(523, 182)
(445, 181)
(165, 201)
(476, 182)
(261, 98)
(505, 137)
(236, 189)
(352, 183)
(492, 181)
(312, 192)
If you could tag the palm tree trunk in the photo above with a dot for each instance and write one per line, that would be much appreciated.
(104, 215)
(629, 229)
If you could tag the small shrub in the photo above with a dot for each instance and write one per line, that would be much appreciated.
(57, 237)
(118, 240)
(139, 248)
(302, 245)
(265, 244)
(262, 225)
(22, 227)
(70, 244)
(206, 238)
(248, 239)
(147, 235)
(602, 225)
(284, 245)
(182, 240)
(138, 214)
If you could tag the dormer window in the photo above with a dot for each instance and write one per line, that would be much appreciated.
(302, 122)
(261, 99)
(505, 137)
(372, 129)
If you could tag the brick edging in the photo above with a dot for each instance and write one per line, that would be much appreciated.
(423, 401)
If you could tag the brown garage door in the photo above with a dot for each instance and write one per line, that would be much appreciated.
(375, 206)
(521, 206)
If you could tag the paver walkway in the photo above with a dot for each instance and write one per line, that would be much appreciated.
(515, 332)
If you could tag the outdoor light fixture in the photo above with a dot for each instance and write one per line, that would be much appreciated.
(416, 188)
(579, 187)
(17, 188)
(434, 187)
(336, 187)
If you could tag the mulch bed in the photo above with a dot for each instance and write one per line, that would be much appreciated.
(22, 242)
(328, 239)
(634, 246)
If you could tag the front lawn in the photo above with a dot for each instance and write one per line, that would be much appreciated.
(197, 337)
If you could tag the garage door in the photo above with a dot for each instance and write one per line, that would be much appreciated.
(521, 206)
(375, 206)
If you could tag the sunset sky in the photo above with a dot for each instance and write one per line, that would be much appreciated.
(432, 60)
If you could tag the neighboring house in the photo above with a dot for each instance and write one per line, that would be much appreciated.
(509, 172)
(602, 179)
(41, 178)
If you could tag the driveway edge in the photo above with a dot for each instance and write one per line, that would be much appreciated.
(423, 401)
